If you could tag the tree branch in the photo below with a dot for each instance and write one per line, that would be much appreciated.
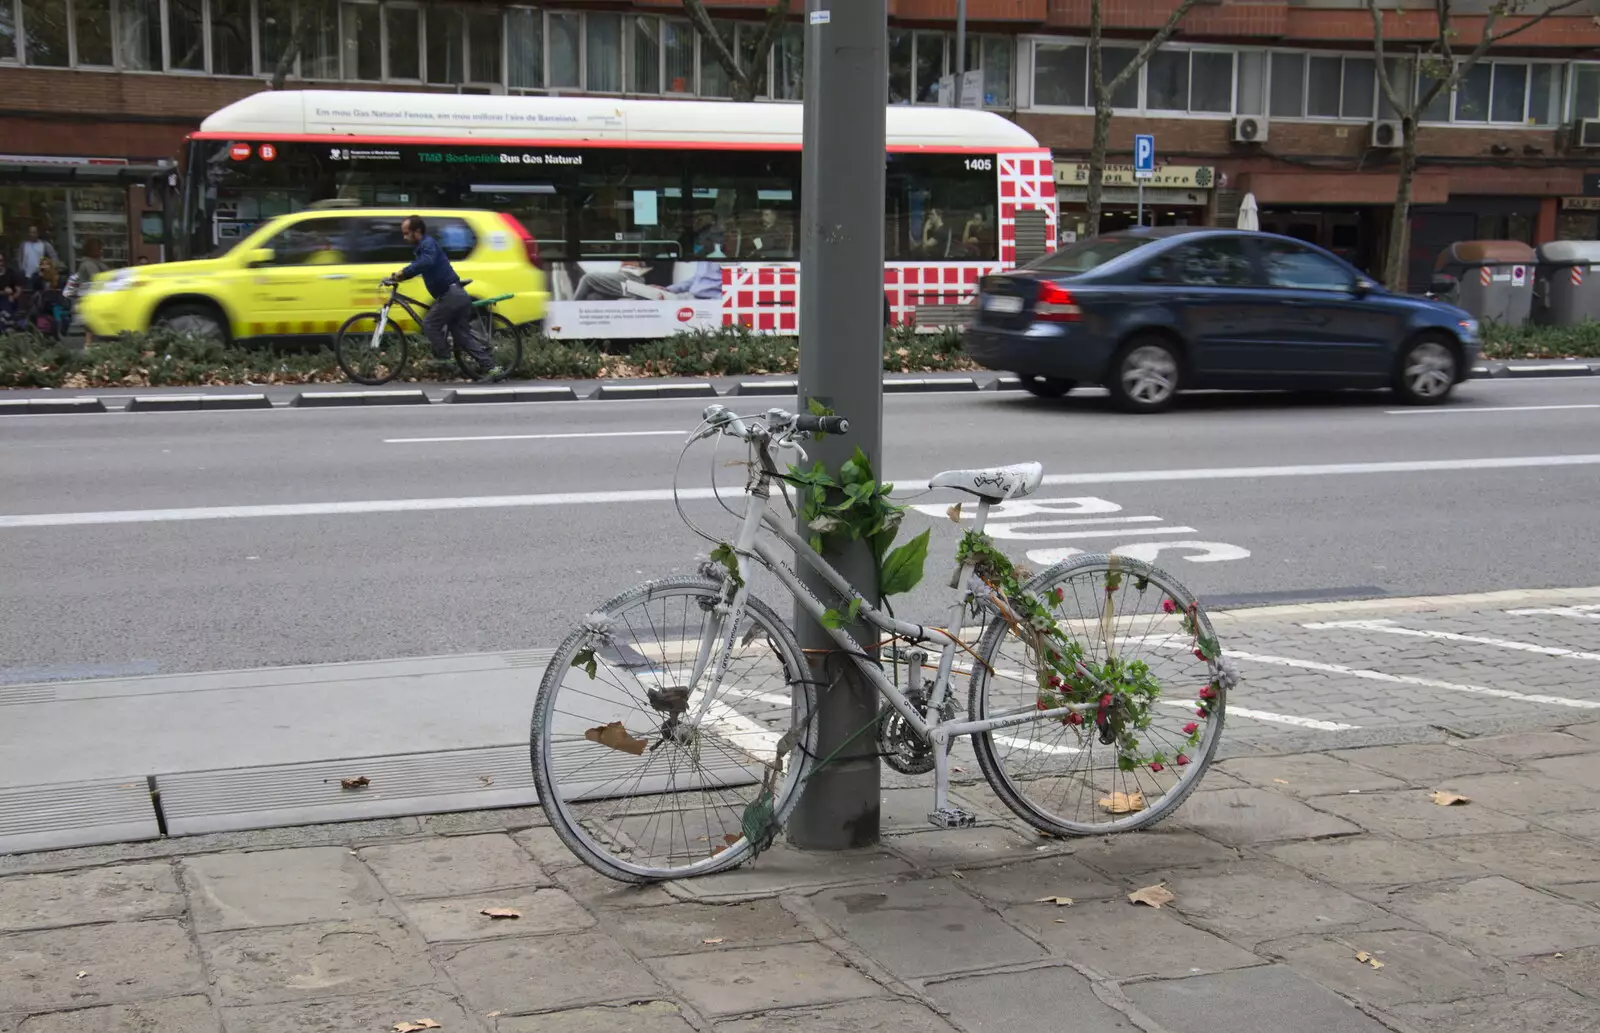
(1150, 45)
(1385, 81)
(291, 50)
(703, 25)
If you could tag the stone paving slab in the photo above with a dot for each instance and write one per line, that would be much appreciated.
(1483, 916)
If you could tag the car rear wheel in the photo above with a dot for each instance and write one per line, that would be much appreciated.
(1427, 371)
(197, 319)
(1046, 387)
(1146, 375)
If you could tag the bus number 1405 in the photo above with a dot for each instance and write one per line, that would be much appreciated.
(980, 164)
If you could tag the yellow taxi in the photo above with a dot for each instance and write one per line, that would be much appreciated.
(306, 273)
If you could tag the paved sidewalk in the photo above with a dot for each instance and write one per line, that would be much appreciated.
(1287, 869)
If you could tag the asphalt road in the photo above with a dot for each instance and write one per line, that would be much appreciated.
(449, 529)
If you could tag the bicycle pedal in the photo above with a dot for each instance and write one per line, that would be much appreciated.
(952, 818)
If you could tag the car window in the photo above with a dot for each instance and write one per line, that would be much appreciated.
(1290, 265)
(1087, 254)
(325, 241)
(381, 242)
(1204, 263)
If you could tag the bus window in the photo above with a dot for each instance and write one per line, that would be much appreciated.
(941, 208)
(630, 206)
(746, 207)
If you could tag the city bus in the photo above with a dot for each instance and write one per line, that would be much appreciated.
(649, 216)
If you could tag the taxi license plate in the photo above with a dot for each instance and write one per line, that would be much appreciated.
(1002, 303)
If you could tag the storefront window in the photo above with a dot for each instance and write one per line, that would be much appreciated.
(645, 74)
(230, 37)
(566, 36)
(403, 41)
(603, 53)
(363, 41)
(525, 48)
(44, 24)
(92, 32)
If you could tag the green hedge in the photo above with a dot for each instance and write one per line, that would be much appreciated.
(1541, 342)
(163, 358)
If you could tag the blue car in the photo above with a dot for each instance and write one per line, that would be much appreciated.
(1151, 312)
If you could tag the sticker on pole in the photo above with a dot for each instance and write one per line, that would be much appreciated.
(819, 17)
(1519, 276)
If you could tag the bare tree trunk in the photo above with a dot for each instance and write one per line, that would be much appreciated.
(1097, 162)
(745, 84)
(1397, 266)
(291, 50)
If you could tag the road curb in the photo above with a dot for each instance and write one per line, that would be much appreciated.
(196, 403)
(1561, 369)
(330, 399)
(699, 389)
(484, 395)
(930, 386)
(49, 406)
(765, 387)
(1007, 384)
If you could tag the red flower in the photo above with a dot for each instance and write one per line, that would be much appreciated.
(1042, 705)
(1181, 759)
(1055, 681)
(1202, 712)
(1158, 767)
(1054, 656)
(1198, 654)
(1061, 593)
(1207, 692)
(1074, 718)
(1190, 728)
(1169, 606)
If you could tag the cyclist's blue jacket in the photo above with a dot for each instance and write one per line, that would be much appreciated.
(438, 275)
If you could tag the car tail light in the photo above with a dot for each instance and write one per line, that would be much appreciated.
(1055, 304)
(527, 238)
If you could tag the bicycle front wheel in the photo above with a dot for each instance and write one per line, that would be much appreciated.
(367, 355)
(636, 779)
(1122, 765)
(503, 339)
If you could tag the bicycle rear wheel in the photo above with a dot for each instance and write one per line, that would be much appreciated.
(503, 339)
(1138, 628)
(631, 784)
(368, 356)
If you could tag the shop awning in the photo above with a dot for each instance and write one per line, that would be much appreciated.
(80, 168)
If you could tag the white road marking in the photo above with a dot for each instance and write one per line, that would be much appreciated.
(1113, 532)
(1029, 744)
(1581, 613)
(1406, 679)
(542, 437)
(1388, 628)
(1270, 717)
(575, 498)
(1486, 408)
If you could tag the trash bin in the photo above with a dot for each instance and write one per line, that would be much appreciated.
(1492, 279)
(1566, 283)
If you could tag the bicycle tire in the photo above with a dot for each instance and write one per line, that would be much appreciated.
(355, 343)
(504, 340)
(597, 824)
(1185, 667)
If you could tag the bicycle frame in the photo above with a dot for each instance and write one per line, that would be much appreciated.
(749, 545)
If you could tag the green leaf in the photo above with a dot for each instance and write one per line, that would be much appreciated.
(902, 568)
(724, 555)
(817, 408)
(585, 659)
(833, 619)
(855, 609)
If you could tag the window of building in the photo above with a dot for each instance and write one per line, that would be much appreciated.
(230, 37)
(714, 80)
(677, 48)
(998, 56)
(1287, 91)
(930, 67)
(91, 32)
(44, 29)
(602, 49)
(1252, 88)
(644, 72)
(789, 64)
(1167, 81)
(445, 37)
(565, 33)
(319, 52)
(1506, 92)
(186, 36)
(1585, 91)
(525, 48)
(1060, 75)
(274, 36)
(483, 46)
(1321, 86)
(402, 42)
(8, 31)
(363, 40)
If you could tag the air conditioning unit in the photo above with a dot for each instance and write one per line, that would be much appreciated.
(1586, 133)
(1388, 134)
(1250, 129)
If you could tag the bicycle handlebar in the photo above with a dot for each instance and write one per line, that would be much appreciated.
(806, 423)
(719, 418)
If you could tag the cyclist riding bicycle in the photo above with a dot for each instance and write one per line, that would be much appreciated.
(452, 306)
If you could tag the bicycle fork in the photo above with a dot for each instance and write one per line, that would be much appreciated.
(377, 334)
(943, 815)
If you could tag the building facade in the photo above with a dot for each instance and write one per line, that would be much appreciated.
(1278, 100)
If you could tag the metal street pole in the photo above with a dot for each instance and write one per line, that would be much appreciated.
(961, 46)
(841, 366)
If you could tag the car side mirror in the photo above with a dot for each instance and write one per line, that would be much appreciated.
(1442, 283)
(260, 256)
(1362, 287)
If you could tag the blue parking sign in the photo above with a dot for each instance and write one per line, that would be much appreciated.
(1144, 155)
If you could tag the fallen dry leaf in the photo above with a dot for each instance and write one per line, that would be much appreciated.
(501, 912)
(83, 975)
(713, 941)
(359, 782)
(1281, 781)
(954, 512)
(1367, 959)
(1444, 799)
(1061, 921)
(1122, 803)
(957, 875)
(730, 838)
(492, 1015)
(412, 1027)
(1057, 901)
(1560, 955)
(616, 737)
(1152, 896)
(487, 780)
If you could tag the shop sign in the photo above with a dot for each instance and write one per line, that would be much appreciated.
(1190, 177)
(1581, 204)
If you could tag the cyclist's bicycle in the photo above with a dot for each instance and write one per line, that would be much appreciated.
(373, 349)
(674, 730)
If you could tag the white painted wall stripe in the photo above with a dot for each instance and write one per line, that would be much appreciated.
(647, 495)
(1406, 679)
(1388, 628)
